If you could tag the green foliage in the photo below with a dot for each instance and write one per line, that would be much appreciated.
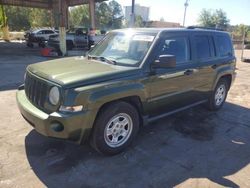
(3, 18)
(108, 16)
(116, 11)
(79, 16)
(20, 18)
(213, 18)
(103, 15)
(239, 30)
(138, 21)
(40, 17)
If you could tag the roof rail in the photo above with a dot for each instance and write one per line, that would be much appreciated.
(209, 28)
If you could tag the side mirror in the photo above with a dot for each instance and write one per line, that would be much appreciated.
(165, 61)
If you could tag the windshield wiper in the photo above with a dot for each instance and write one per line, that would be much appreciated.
(101, 58)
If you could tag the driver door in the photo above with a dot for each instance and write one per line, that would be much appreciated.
(173, 88)
(81, 38)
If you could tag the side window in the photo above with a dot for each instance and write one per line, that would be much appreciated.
(202, 47)
(223, 46)
(177, 46)
(40, 32)
(49, 32)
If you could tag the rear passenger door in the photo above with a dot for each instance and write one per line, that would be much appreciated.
(205, 59)
(48, 33)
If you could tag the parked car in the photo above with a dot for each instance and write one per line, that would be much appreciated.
(131, 78)
(38, 36)
(76, 38)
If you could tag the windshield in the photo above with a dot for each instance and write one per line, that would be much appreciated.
(123, 48)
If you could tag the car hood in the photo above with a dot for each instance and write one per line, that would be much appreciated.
(79, 71)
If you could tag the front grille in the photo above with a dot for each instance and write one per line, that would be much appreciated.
(36, 90)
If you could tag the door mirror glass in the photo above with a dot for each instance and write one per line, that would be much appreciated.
(165, 61)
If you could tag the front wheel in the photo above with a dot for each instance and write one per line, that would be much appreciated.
(219, 95)
(115, 128)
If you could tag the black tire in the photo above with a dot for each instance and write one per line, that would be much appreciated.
(41, 44)
(30, 44)
(212, 104)
(106, 115)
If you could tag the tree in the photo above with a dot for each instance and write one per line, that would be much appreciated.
(205, 18)
(220, 19)
(117, 17)
(239, 30)
(213, 18)
(103, 15)
(21, 18)
(18, 18)
(4, 24)
(39, 17)
(138, 21)
(79, 16)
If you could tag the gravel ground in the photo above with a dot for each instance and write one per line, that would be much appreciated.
(194, 148)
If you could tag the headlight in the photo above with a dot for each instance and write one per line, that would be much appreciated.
(54, 95)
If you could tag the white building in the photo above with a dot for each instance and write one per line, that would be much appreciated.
(139, 11)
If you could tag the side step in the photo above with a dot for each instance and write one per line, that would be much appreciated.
(152, 119)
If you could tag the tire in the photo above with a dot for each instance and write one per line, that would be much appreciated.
(115, 128)
(30, 44)
(219, 95)
(41, 44)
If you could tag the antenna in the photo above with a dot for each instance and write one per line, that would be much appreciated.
(185, 11)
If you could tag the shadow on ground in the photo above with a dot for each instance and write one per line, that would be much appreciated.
(195, 143)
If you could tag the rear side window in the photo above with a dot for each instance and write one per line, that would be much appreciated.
(223, 44)
(202, 47)
(177, 46)
(40, 32)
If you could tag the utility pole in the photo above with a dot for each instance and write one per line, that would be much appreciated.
(243, 44)
(185, 11)
(132, 16)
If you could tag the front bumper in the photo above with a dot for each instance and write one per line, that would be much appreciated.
(76, 126)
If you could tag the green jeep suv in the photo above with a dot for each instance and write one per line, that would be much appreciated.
(130, 78)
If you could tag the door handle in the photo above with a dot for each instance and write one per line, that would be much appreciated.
(214, 66)
(189, 72)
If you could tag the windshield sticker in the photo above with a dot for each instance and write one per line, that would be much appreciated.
(146, 38)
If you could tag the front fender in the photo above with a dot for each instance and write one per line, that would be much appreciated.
(94, 96)
(99, 98)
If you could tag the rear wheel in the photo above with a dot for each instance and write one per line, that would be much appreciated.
(219, 95)
(115, 128)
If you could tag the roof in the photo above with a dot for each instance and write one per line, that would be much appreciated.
(45, 4)
(158, 30)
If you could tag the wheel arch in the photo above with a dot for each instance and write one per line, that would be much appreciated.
(134, 100)
(228, 78)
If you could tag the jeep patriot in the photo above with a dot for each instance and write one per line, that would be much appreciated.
(130, 78)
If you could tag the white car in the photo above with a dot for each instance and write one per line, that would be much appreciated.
(38, 36)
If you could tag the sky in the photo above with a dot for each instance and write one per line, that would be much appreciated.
(173, 10)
